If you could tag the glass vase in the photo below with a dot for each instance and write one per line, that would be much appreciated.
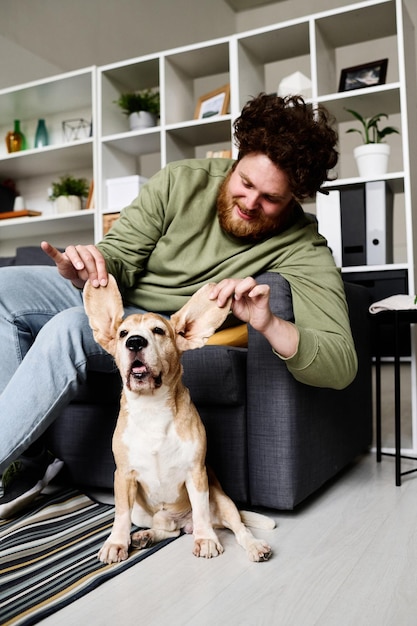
(41, 136)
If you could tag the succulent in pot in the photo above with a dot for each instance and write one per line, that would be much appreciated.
(68, 193)
(142, 107)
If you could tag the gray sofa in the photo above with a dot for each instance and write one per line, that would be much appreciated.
(271, 440)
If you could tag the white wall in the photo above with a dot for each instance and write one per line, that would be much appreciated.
(40, 38)
(284, 10)
(18, 65)
(50, 36)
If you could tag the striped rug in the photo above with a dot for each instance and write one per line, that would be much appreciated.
(48, 556)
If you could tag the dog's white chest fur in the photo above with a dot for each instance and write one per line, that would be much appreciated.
(161, 459)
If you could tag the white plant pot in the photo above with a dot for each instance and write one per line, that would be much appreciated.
(67, 204)
(372, 159)
(141, 119)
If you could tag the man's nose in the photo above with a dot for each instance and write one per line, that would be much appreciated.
(252, 200)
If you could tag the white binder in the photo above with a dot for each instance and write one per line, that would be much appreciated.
(379, 226)
(329, 224)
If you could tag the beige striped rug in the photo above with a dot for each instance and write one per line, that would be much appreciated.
(48, 556)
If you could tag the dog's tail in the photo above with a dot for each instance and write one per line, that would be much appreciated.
(257, 520)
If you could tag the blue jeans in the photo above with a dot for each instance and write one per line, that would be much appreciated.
(47, 347)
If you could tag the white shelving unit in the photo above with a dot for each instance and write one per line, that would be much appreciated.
(64, 97)
(319, 45)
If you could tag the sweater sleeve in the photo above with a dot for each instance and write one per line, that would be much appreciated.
(324, 358)
(326, 355)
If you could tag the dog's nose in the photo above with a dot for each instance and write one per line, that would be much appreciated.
(136, 343)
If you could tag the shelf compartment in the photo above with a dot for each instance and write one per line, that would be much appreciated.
(362, 24)
(343, 40)
(265, 58)
(69, 96)
(190, 74)
(40, 99)
(206, 131)
(117, 79)
(196, 138)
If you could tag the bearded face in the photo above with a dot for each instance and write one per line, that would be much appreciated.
(247, 211)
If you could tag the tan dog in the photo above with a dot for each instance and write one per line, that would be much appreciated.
(159, 443)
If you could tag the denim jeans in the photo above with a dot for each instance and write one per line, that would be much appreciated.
(47, 347)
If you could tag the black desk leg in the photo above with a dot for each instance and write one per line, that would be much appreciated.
(378, 433)
(397, 386)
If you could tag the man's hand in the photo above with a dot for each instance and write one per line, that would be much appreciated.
(250, 300)
(79, 264)
(251, 304)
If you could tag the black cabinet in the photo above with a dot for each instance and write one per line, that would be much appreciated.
(382, 284)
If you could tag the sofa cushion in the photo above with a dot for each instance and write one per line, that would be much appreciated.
(32, 255)
(224, 380)
(100, 388)
(81, 436)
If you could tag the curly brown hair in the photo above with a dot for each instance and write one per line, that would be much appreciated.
(298, 138)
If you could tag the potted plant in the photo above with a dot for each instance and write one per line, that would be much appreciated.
(372, 156)
(142, 107)
(68, 193)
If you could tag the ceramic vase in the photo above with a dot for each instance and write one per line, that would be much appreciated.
(67, 204)
(141, 119)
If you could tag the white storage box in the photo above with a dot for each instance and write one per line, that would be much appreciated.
(122, 191)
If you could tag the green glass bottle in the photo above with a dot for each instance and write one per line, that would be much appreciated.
(15, 139)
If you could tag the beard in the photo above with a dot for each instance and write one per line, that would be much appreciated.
(259, 227)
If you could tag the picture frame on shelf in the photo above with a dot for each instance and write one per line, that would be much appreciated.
(214, 103)
(365, 75)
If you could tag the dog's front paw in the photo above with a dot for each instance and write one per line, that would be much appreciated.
(259, 550)
(113, 552)
(143, 539)
(207, 548)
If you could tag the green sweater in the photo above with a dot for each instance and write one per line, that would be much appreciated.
(168, 243)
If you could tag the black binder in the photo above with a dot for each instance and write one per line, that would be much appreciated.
(353, 222)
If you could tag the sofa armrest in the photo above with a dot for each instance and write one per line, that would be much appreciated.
(27, 255)
(300, 436)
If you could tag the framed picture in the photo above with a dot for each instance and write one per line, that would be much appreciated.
(360, 76)
(214, 103)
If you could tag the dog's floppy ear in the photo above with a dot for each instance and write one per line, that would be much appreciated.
(104, 308)
(197, 320)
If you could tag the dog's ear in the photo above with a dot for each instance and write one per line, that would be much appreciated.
(197, 320)
(104, 307)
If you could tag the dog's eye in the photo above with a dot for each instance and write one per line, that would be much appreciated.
(123, 333)
(158, 331)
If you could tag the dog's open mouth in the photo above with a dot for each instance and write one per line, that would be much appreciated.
(139, 370)
(141, 373)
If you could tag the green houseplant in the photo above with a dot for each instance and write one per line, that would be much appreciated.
(142, 107)
(67, 193)
(370, 131)
(372, 156)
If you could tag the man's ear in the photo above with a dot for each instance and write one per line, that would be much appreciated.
(197, 320)
(104, 307)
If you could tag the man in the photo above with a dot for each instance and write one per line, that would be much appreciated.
(196, 221)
